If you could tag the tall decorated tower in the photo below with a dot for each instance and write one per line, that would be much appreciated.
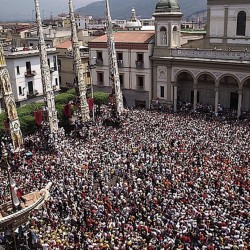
(79, 73)
(113, 66)
(45, 71)
(9, 100)
(167, 26)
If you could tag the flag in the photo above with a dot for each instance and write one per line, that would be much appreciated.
(38, 117)
(16, 201)
(91, 103)
(67, 110)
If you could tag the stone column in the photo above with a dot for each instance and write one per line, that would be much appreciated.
(175, 98)
(216, 101)
(195, 96)
(239, 103)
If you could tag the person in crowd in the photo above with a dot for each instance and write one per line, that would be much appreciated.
(158, 181)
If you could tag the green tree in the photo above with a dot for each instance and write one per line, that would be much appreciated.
(101, 98)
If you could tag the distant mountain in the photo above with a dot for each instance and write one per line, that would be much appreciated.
(121, 9)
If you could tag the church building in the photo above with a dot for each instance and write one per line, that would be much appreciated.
(214, 70)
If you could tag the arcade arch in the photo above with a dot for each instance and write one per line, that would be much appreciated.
(205, 89)
(228, 92)
(185, 83)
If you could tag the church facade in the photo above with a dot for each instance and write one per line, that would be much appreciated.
(212, 71)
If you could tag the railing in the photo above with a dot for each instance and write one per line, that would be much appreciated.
(141, 88)
(53, 69)
(211, 54)
(32, 94)
(30, 73)
(100, 83)
(120, 63)
(139, 64)
(99, 62)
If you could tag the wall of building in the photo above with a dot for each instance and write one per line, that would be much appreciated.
(22, 81)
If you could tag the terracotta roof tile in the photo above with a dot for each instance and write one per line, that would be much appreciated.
(127, 37)
(64, 45)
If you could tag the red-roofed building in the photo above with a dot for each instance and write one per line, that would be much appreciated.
(133, 49)
(66, 64)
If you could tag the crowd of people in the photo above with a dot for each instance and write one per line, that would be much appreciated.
(157, 181)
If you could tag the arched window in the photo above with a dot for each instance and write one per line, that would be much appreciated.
(163, 35)
(175, 28)
(175, 36)
(241, 24)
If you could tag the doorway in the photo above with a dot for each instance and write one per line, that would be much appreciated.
(234, 100)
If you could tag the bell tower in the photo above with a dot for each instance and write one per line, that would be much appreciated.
(167, 26)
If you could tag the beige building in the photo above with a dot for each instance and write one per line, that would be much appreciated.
(211, 71)
(133, 49)
(66, 64)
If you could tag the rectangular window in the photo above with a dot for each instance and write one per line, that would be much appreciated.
(119, 56)
(140, 82)
(140, 57)
(56, 80)
(121, 76)
(162, 90)
(54, 61)
(30, 88)
(99, 55)
(49, 62)
(100, 78)
(18, 70)
(60, 79)
(20, 90)
(28, 66)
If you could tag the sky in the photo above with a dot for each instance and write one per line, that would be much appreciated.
(11, 10)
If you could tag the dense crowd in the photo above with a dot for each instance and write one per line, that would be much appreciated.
(159, 181)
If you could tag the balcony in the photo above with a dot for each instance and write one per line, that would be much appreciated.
(99, 62)
(52, 69)
(30, 73)
(120, 63)
(32, 94)
(139, 64)
(140, 87)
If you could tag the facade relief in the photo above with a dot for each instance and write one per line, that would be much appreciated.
(162, 74)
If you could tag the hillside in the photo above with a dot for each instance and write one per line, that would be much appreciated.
(121, 9)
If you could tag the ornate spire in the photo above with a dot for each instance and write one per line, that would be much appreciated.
(45, 72)
(79, 73)
(113, 67)
(10, 105)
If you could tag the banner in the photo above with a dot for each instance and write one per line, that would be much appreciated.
(91, 103)
(38, 117)
(67, 110)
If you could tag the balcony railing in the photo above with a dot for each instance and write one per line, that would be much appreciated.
(211, 54)
(99, 62)
(139, 87)
(52, 69)
(100, 83)
(120, 63)
(30, 73)
(32, 94)
(139, 64)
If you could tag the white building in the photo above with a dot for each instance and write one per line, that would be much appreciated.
(25, 73)
(134, 49)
